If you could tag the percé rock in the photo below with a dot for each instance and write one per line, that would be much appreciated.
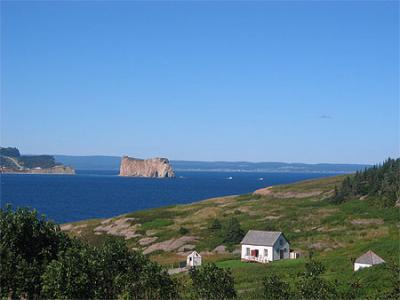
(154, 167)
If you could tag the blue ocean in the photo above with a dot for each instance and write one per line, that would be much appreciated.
(101, 194)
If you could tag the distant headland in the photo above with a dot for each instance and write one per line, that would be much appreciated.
(11, 161)
(154, 167)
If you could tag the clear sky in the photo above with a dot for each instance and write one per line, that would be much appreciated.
(257, 81)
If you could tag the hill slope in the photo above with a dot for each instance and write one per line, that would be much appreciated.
(335, 233)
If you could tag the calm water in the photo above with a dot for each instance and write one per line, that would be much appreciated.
(99, 194)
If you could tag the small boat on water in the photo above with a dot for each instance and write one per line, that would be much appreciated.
(261, 178)
(230, 178)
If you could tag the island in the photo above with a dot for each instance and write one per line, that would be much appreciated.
(11, 161)
(153, 168)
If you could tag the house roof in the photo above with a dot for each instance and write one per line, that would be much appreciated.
(369, 258)
(261, 238)
(194, 253)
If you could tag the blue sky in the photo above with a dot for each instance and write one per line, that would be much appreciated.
(255, 81)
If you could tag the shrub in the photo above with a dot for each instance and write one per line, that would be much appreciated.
(276, 288)
(183, 231)
(28, 243)
(211, 282)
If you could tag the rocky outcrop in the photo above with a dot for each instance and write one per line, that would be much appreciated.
(154, 167)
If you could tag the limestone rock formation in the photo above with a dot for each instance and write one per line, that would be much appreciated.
(154, 167)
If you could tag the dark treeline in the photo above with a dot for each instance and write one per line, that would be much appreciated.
(381, 183)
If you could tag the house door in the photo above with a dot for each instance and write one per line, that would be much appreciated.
(281, 254)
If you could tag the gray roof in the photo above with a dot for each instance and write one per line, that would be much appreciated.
(261, 238)
(369, 258)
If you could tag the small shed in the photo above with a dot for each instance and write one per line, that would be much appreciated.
(193, 260)
(294, 254)
(367, 260)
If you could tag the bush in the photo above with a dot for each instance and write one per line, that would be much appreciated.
(28, 243)
(211, 282)
(39, 261)
(183, 231)
(276, 288)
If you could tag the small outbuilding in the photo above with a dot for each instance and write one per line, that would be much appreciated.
(264, 246)
(367, 260)
(193, 260)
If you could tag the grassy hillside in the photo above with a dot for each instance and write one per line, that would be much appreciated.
(336, 234)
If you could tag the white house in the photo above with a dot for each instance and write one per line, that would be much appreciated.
(264, 246)
(193, 260)
(367, 260)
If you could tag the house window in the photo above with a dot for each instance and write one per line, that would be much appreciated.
(281, 242)
(247, 251)
(265, 252)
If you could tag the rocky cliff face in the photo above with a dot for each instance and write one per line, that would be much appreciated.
(154, 167)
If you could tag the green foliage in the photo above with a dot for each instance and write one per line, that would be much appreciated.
(183, 230)
(314, 268)
(315, 287)
(211, 282)
(276, 288)
(381, 181)
(27, 243)
(72, 275)
(215, 225)
(234, 233)
(308, 285)
(38, 260)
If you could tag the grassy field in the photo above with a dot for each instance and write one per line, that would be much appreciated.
(336, 234)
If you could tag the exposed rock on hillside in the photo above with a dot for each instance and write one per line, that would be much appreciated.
(154, 167)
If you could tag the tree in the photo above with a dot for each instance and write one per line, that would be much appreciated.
(234, 234)
(39, 261)
(311, 286)
(114, 260)
(211, 282)
(73, 275)
(381, 183)
(276, 288)
(27, 244)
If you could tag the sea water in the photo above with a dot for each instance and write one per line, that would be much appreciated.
(102, 194)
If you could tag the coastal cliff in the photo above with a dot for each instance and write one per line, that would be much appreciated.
(11, 161)
(154, 167)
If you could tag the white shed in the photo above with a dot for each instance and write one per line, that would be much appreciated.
(264, 246)
(367, 260)
(193, 260)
